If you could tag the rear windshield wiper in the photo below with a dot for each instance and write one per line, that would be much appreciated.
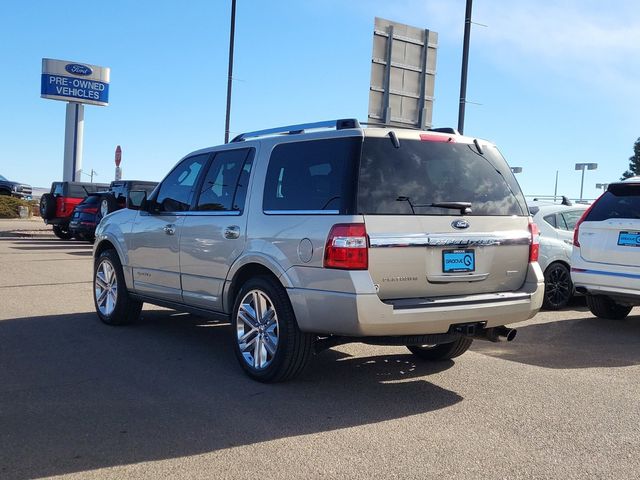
(464, 207)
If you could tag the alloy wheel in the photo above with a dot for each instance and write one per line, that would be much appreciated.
(257, 329)
(106, 288)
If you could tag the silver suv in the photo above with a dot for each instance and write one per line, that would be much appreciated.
(310, 236)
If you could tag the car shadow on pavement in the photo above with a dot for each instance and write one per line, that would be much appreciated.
(587, 342)
(77, 395)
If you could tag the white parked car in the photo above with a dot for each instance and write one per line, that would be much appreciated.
(556, 223)
(605, 264)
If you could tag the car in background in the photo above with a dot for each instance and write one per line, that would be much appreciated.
(556, 223)
(605, 265)
(116, 197)
(15, 189)
(87, 214)
(86, 217)
(56, 207)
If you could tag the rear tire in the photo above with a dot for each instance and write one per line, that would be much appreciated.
(267, 340)
(113, 304)
(558, 287)
(443, 351)
(604, 307)
(47, 206)
(62, 232)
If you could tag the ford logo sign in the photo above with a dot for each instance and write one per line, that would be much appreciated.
(460, 224)
(77, 69)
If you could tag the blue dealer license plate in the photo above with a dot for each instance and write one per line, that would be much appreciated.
(629, 239)
(458, 261)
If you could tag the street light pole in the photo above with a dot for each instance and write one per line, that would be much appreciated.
(465, 63)
(583, 167)
(229, 80)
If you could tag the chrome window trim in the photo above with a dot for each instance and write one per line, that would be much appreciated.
(213, 213)
(301, 212)
(480, 239)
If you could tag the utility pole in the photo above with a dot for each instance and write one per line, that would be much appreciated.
(465, 64)
(229, 80)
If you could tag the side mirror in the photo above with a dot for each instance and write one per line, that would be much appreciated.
(137, 200)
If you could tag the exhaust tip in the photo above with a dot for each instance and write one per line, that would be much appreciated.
(511, 334)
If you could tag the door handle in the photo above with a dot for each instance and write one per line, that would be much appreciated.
(169, 229)
(232, 232)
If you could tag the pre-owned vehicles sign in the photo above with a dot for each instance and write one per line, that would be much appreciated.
(75, 82)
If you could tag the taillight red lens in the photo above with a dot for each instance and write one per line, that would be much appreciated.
(91, 210)
(534, 247)
(576, 230)
(347, 247)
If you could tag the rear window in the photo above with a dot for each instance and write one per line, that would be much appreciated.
(620, 201)
(315, 176)
(409, 179)
(91, 200)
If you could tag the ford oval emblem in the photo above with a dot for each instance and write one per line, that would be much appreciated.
(77, 69)
(460, 224)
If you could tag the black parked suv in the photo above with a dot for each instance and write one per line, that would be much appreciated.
(15, 189)
(116, 198)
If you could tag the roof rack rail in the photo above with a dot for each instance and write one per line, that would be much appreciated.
(340, 124)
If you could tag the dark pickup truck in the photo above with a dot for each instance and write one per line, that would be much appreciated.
(15, 189)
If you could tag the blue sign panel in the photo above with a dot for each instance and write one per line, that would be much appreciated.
(629, 239)
(458, 261)
(71, 88)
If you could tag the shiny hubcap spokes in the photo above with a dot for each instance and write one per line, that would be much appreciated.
(558, 287)
(106, 287)
(257, 329)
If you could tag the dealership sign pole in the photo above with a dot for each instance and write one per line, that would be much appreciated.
(77, 84)
(118, 160)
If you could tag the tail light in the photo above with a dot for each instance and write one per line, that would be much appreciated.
(91, 210)
(534, 246)
(576, 230)
(346, 247)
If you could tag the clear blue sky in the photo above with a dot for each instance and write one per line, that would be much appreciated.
(557, 80)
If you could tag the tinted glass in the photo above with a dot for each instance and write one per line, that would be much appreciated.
(311, 176)
(176, 191)
(409, 179)
(57, 189)
(551, 220)
(571, 218)
(225, 186)
(620, 201)
(91, 200)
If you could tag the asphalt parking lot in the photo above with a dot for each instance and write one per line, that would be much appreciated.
(164, 398)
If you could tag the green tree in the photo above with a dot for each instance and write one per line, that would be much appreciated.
(634, 162)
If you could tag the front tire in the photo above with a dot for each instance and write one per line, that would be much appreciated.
(442, 351)
(113, 304)
(558, 287)
(267, 340)
(604, 307)
(62, 232)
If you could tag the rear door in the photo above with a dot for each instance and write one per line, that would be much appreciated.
(424, 241)
(610, 233)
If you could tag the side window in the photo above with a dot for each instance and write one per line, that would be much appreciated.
(562, 225)
(571, 218)
(225, 185)
(310, 176)
(551, 220)
(58, 189)
(176, 190)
